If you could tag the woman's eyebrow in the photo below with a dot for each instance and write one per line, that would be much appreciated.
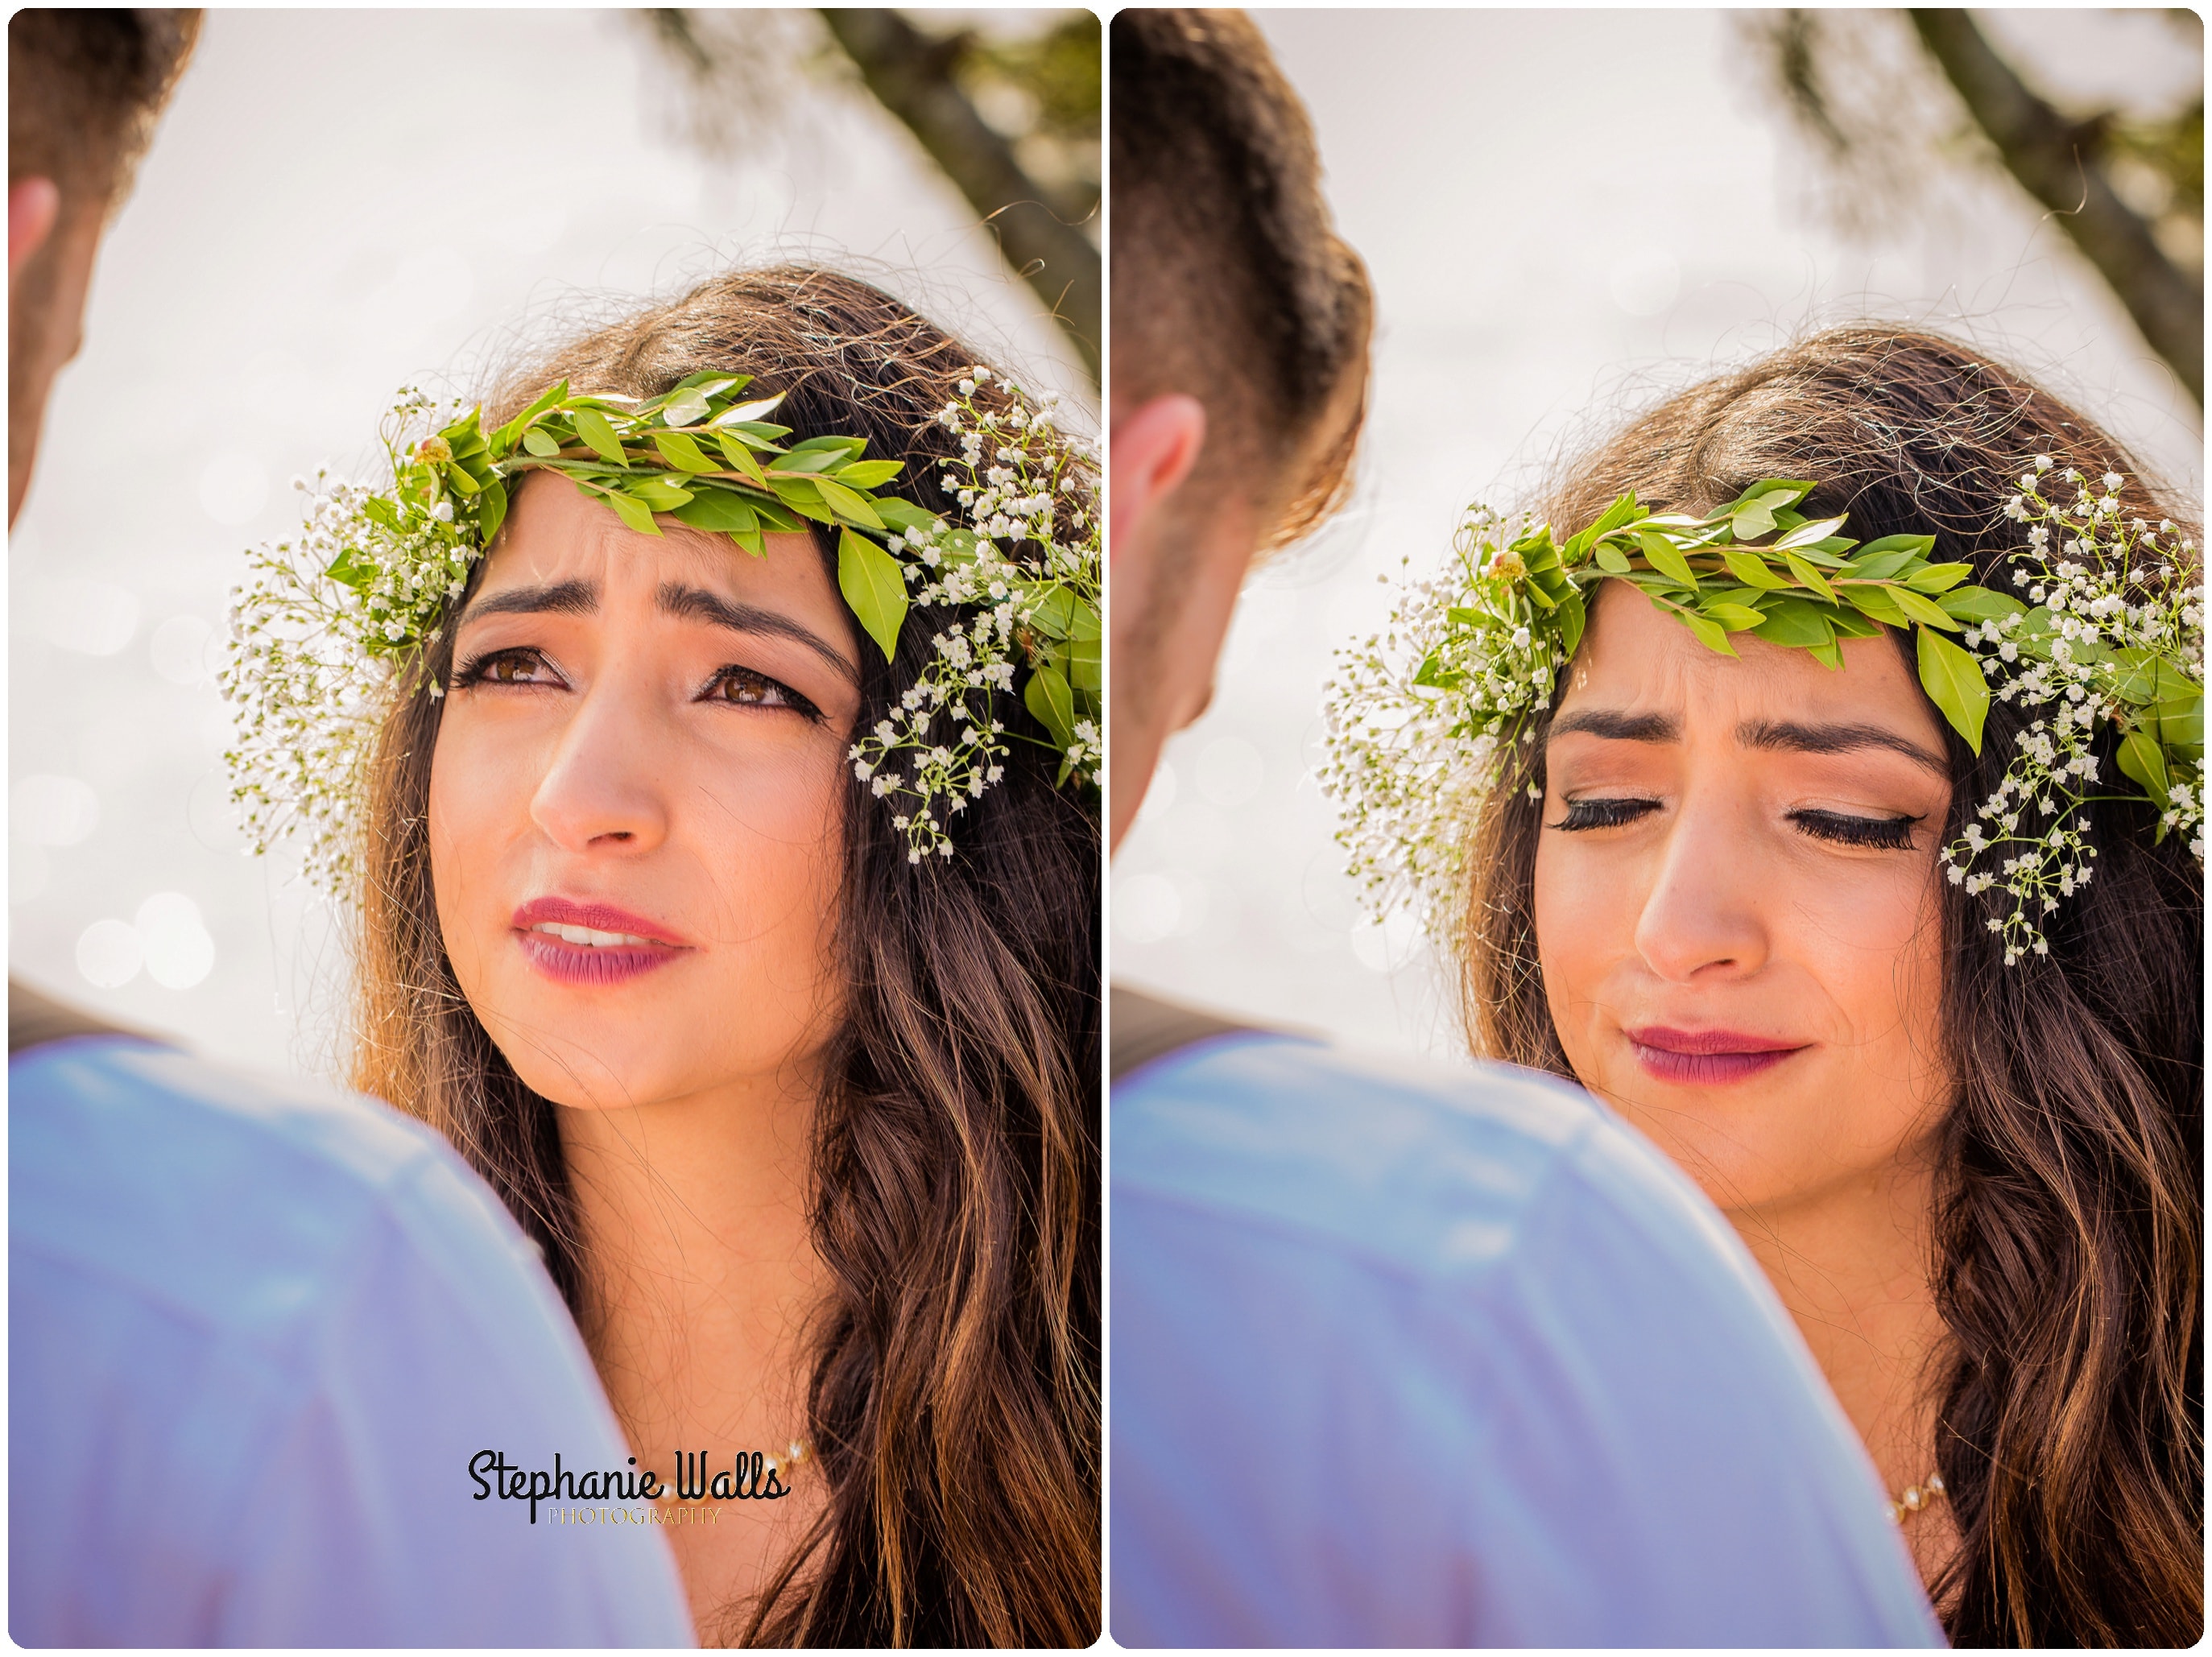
(1835, 739)
(1620, 727)
(557, 598)
(698, 603)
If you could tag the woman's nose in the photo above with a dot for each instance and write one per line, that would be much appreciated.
(602, 792)
(1703, 916)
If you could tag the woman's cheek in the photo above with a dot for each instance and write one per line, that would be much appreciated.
(1585, 922)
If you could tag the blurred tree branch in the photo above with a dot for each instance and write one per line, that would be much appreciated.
(914, 77)
(1012, 120)
(2058, 163)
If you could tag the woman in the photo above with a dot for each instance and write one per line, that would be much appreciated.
(1830, 937)
(727, 866)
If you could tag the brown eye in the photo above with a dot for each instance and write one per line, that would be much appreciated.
(515, 668)
(747, 688)
(507, 667)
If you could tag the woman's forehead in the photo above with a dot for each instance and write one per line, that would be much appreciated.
(556, 533)
(1637, 657)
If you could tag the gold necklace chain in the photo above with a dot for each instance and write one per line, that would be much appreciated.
(1916, 1498)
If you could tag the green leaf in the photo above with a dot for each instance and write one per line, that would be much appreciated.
(457, 479)
(1979, 604)
(2180, 724)
(1918, 546)
(1878, 603)
(854, 509)
(1752, 570)
(634, 513)
(1808, 534)
(1938, 578)
(2140, 758)
(1954, 682)
(598, 433)
(1829, 655)
(504, 439)
(491, 511)
(800, 495)
(1795, 623)
(901, 514)
(1808, 577)
(683, 452)
(820, 454)
(1623, 510)
(870, 474)
(1572, 616)
(1711, 634)
(541, 442)
(1925, 610)
(1736, 618)
(659, 493)
(711, 382)
(1612, 560)
(1085, 669)
(745, 414)
(774, 516)
(1849, 624)
(1048, 696)
(1660, 554)
(721, 511)
(686, 407)
(1054, 614)
(1880, 566)
(874, 586)
(741, 459)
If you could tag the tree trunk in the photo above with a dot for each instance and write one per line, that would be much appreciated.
(911, 78)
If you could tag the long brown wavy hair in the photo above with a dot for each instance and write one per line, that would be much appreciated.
(953, 1398)
(2068, 1237)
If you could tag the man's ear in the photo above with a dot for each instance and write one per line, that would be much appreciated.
(34, 204)
(1153, 450)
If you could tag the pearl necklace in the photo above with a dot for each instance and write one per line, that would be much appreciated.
(1916, 1498)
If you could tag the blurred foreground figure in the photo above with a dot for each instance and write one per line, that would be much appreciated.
(1400, 1357)
(258, 1331)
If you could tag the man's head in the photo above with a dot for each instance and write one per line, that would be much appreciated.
(1240, 356)
(84, 90)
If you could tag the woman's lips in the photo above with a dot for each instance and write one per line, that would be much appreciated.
(1702, 1058)
(578, 943)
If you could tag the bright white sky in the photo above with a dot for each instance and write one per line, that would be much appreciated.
(336, 204)
(1564, 212)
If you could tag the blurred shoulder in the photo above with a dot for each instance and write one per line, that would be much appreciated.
(224, 1197)
(1415, 1165)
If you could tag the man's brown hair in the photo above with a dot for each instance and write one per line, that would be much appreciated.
(1230, 283)
(84, 88)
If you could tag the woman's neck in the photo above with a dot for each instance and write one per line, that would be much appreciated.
(700, 1272)
(1851, 1264)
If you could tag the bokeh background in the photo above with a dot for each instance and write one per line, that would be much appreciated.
(1566, 215)
(340, 203)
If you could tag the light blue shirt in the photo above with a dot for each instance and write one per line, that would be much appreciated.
(1416, 1358)
(255, 1333)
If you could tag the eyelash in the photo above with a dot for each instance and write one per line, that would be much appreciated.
(484, 670)
(1881, 833)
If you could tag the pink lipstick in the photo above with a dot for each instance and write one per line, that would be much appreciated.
(1707, 1058)
(578, 943)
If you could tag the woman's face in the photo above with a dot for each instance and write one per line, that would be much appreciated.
(635, 803)
(1737, 900)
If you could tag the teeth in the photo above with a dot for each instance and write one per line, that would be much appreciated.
(584, 935)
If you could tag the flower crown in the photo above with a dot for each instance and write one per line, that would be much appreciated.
(331, 624)
(1424, 718)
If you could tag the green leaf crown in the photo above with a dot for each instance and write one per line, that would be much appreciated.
(1424, 718)
(330, 622)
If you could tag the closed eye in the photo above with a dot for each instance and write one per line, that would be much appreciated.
(1604, 813)
(516, 666)
(745, 687)
(1882, 833)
